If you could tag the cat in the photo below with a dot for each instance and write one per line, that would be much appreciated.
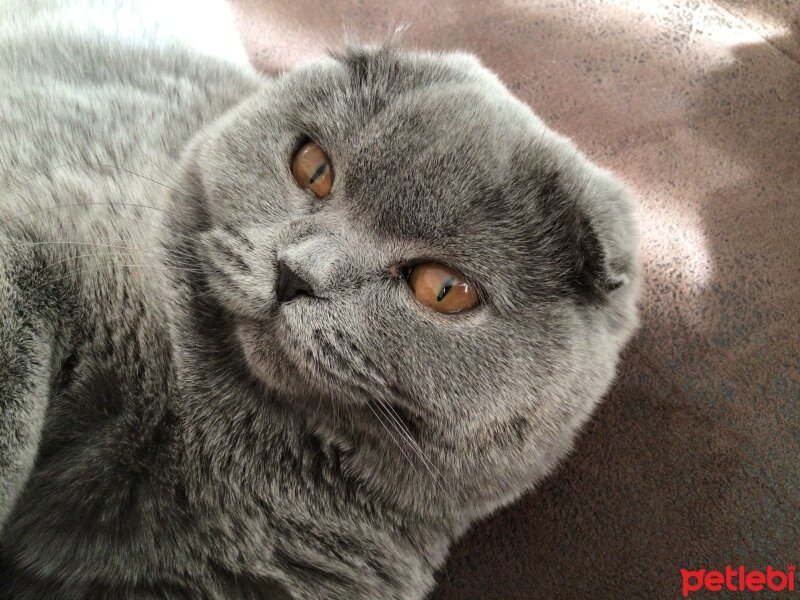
(280, 337)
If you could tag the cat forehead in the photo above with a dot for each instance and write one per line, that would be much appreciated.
(420, 141)
(386, 71)
(423, 177)
(351, 90)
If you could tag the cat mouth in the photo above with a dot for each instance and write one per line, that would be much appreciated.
(335, 364)
(313, 358)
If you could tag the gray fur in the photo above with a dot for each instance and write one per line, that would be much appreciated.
(167, 429)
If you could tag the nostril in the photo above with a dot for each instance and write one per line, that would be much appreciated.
(290, 284)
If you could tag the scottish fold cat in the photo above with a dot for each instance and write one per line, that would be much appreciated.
(280, 337)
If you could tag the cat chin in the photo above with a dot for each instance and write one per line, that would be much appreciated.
(275, 355)
(267, 361)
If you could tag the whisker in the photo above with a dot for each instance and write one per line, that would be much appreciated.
(155, 164)
(99, 268)
(403, 428)
(84, 205)
(115, 318)
(102, 166)
(163, 245)
(133, 249)
(89, 244)
(429, 466)
(79, 256)
(394, 421)
(399, 447)
(400, 427)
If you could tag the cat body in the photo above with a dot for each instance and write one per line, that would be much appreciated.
(167, 428)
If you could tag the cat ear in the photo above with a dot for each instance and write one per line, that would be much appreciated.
(587, 222)
(590, 275)
(607, 240)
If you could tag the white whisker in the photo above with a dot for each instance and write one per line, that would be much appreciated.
(399, 447)
(399, 427)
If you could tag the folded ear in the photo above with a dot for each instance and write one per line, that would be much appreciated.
(590, 273)
(589, 220)
(610, 246)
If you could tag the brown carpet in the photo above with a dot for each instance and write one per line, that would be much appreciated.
(694, 458)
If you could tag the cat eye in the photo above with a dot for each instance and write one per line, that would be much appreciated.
(441, 288)
(312, 170)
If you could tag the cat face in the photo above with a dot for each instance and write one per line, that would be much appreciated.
(441, 188)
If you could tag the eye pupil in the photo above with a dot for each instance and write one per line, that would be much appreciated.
(445, 288)
(320, 170)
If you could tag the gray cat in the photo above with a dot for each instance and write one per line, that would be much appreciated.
(290, 337)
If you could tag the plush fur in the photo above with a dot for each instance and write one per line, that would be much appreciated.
(167, 428)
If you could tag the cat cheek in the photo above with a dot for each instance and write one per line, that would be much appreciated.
(233, 275)
(222, 255)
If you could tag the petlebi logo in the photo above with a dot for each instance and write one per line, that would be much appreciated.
(739, 579)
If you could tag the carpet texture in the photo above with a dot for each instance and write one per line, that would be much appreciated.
(693, 460)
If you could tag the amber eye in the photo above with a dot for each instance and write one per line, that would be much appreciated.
(312, 170)
(441, 288)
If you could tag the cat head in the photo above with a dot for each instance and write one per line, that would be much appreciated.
(402, 251)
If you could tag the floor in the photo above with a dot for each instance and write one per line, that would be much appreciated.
(692, 461)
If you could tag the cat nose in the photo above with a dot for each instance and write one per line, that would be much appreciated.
(312, 265)
(290, 284)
